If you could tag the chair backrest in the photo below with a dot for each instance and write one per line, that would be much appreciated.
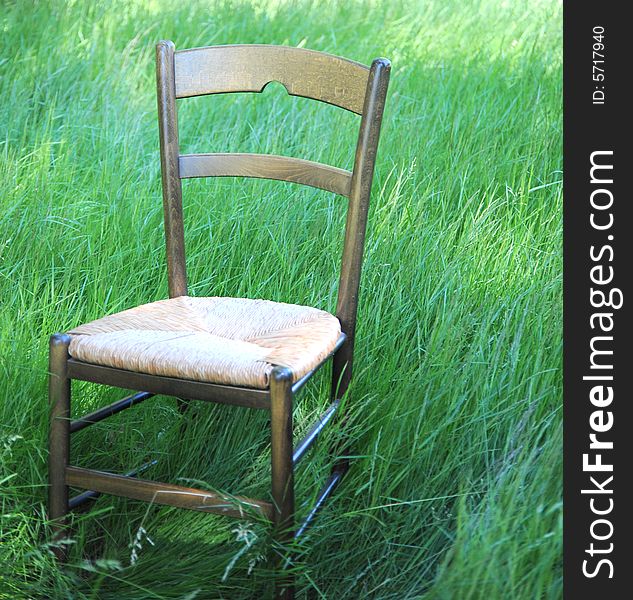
(249, 68)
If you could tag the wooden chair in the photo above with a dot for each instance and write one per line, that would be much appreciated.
(251, 353)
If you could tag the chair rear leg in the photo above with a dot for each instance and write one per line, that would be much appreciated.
(341, 378)
(342, 370)
(59, 437)
(282, 474)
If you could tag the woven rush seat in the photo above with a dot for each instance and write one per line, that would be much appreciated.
(230, 341)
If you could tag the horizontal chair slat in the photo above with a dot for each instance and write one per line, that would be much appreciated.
(167, 494)
(313, 433)
(250, 67)
(89, 495)
(108, 411)
(170, 386)
(324, 493)
(266, 166)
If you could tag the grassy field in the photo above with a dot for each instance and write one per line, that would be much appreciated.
(455, 410)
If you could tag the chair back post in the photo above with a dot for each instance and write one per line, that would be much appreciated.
(172, 187)
(362, 177)
(304, 73)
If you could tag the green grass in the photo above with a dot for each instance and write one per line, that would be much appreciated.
(455, 410)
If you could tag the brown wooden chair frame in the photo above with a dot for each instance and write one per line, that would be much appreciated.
(213, 70)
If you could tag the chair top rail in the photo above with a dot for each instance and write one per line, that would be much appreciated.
(266, 166)
(250, 67)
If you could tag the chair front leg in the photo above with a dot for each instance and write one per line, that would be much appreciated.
(59, 437)
(281, 400)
